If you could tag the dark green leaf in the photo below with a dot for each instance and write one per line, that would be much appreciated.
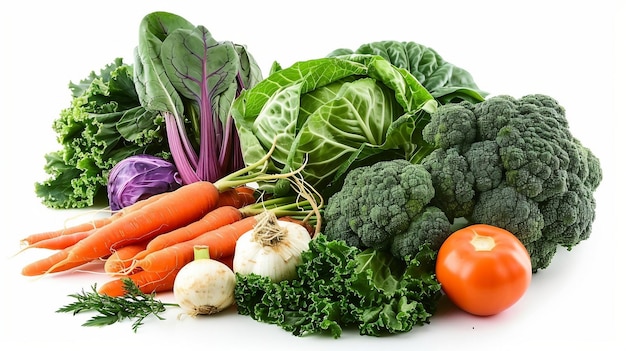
(338, 286)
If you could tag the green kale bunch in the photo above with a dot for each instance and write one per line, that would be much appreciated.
(386, 206)
(339, 286)
(104, 124)
(514, 163)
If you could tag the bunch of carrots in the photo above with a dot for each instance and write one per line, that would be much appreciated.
(151, 240)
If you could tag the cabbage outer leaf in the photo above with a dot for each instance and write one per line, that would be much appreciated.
(331, 113)
(445, 81)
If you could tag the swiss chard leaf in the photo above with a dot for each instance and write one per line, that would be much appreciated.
(155, 90)
(199, 67)
(204, 71)
(191, 79)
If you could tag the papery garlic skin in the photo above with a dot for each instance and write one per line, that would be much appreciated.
(277, 261)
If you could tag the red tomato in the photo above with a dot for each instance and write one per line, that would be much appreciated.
(483, 269)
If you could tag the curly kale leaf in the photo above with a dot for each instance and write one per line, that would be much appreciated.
(104, 124)
(339, 286)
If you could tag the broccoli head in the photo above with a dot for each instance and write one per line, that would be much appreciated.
(386, 206)
(514, 163)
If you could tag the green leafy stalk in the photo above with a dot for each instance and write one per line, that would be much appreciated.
(134, 305)
(191, 79)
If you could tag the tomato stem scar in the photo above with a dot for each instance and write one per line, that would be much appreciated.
(482, 242)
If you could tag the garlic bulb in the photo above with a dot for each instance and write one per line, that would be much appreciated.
(272, 249)
(204, 286)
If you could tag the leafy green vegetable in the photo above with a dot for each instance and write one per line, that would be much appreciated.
(183, 73)
(173, 103)
(445, 81)
(332, 113)
(104, 124)
(338, 286)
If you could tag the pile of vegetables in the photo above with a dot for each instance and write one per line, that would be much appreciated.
(340, 112)
(173, 102)
(353, 190)
(104, 124)
(514, 163)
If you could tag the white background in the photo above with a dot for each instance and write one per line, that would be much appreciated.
(572, 50)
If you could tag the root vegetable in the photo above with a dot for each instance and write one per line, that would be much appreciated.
(273, 248)
(204, 286)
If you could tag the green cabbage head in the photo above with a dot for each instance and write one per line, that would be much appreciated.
(332, 114)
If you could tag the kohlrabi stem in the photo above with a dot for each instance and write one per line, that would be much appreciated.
(201, 252)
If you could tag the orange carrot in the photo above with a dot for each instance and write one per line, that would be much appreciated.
(147, 282)
(79, 228)
(59, 242)
(214, 219)
(237, 197)
(175, 209)
(120, 261)
(52, 264)
(87, 226)
(221, 243)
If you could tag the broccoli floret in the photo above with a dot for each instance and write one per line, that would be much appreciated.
(453, 182)
(541, 253)
(431, 228)
(514, 163)
(454, 129)
(485, 165)
(511, 210)
(386, 206)
(569, 215)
